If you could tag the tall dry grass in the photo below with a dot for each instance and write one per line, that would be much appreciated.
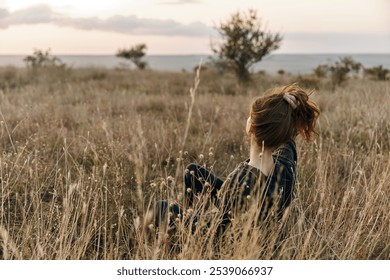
(85, 153)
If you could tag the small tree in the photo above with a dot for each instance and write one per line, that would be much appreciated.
(135, 55)
(244, 42)
(340, 69)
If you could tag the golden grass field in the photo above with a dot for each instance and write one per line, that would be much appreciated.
(86, 152)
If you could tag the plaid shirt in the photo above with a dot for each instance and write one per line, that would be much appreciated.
(246, 183)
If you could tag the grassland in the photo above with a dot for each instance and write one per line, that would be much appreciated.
(86, 152)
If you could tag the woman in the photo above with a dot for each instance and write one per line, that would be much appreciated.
(269, 174)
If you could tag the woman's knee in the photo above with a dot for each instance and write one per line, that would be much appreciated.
(192, 167)
(191, 173)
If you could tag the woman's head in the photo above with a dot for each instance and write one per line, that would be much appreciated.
(281, 114)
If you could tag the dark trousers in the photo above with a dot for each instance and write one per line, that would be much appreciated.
(197, 180)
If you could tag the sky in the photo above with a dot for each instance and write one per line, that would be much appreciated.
(188, 26)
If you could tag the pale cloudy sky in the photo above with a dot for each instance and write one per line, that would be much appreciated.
(186, 26)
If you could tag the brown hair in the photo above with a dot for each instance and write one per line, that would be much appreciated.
(274, 120)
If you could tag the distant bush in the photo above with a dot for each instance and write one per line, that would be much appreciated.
(42, 67)
(378, 73)
(338, 71)
(40, 59)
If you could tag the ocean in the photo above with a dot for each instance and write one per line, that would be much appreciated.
(290, 63)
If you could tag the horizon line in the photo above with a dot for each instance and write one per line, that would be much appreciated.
(209, 54)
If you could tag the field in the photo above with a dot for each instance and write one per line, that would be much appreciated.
(85, 153)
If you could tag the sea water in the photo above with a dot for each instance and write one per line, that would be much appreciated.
(289, 63)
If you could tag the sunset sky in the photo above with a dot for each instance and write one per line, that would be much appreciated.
(186, 26)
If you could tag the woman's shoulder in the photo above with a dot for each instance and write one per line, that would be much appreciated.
(244, 174)
(240, 168)
(286, 152)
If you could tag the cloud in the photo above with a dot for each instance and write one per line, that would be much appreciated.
(331, 42)
(180, 2)
(3, 15)
(31, 15)
(138, 26)
(121, 24)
